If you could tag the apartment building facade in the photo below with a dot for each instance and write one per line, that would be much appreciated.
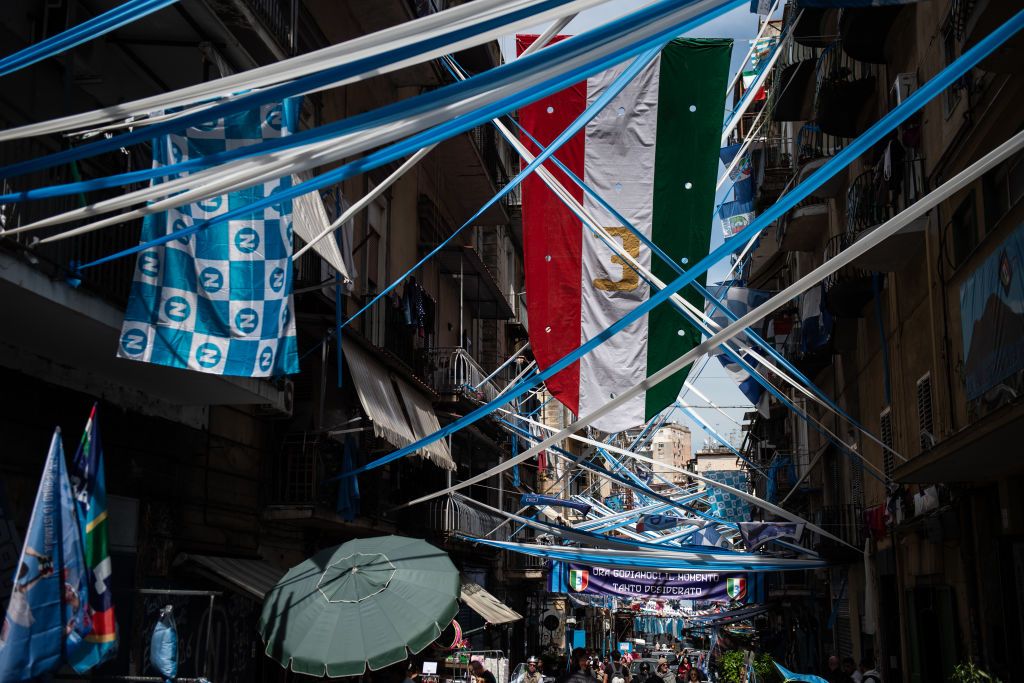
(912, 349)
(218, 484)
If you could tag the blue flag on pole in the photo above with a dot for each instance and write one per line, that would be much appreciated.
(219, 301)
(88, 483)
(46, 616)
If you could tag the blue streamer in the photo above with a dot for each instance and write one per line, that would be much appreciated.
(87, 30)
(858, 146)
(506, 73)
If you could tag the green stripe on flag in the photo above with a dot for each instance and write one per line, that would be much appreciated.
(691, 94)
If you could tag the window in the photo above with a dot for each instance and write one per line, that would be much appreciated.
(924, 412)
(951, 95)
(965, 230)
(885, 433)
(1003, 188)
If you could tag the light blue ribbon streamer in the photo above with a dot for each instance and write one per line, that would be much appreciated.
(858, 146)
(76, 35)
(455, 92)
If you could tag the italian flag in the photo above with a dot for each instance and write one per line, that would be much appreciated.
(652, 154)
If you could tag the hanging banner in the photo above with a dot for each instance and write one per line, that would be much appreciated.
(219, 301)
(992, 324)
(539, 500)
(629, 583)
(658, 522)
(651, 154)
(735, 216)
(757, 534)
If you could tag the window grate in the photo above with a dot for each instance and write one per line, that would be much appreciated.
(885, 429)
(924, 412)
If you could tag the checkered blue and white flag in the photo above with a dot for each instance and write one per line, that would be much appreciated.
(739, 300)
(724, 505)
(218, 301)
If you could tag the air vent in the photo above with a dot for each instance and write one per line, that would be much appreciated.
(924, 412)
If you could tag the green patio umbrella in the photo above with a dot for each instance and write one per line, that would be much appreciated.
(366, 603)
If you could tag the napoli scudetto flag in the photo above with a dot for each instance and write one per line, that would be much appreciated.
(46, 616)
(88, 483)
(218, 301)
(652, 154)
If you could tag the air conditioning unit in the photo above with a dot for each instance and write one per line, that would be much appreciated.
(905, 85)
(283, 407)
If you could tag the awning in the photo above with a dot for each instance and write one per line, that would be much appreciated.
(378, 395)
(254, 577)
(309, 219)
(486, 605)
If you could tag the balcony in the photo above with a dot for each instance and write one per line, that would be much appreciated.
(876, 196)
(792, 91)
(452, 516)
(774, 154)
(849, 288)
(845, 100)
(864, 31)
(814, 148)
(803, 227)
(456, 373)
(302, 489)
(384, 326)
(815, 27)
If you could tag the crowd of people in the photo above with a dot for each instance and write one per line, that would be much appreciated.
(588, 667)
(848, 670)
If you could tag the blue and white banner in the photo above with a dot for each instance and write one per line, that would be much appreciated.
(735, 216)
(47, 615)
(218, 301)
(539, 500)
(742, 170)
(815, 320)
(740, 301)
(724, 505)
(658, 522)
(711, 536)
(756, 534)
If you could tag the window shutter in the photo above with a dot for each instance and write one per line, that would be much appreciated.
(885, 429)
(924, 412)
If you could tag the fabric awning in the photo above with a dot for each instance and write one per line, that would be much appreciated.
(253, 577)
(380, 399)
(486, 605)
(309, 219)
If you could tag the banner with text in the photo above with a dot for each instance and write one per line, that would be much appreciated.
(646, 584)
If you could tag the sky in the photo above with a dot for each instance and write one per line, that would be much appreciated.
(709, 377)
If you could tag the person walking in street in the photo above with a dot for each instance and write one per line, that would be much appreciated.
(664, 672)
(480, 673)
(579, 668)
(833, 674)
(617, 671)
(648, 676)
(850, 669)
(868, 672)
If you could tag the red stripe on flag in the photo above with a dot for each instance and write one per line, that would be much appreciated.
(104, 623)
(553, 296)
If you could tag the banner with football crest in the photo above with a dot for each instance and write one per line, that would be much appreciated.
(647, 584)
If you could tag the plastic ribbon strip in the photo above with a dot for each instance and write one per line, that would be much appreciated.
(648, 559)
(87, 30)
(858, 146)
(877, 236)
(478, 22)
